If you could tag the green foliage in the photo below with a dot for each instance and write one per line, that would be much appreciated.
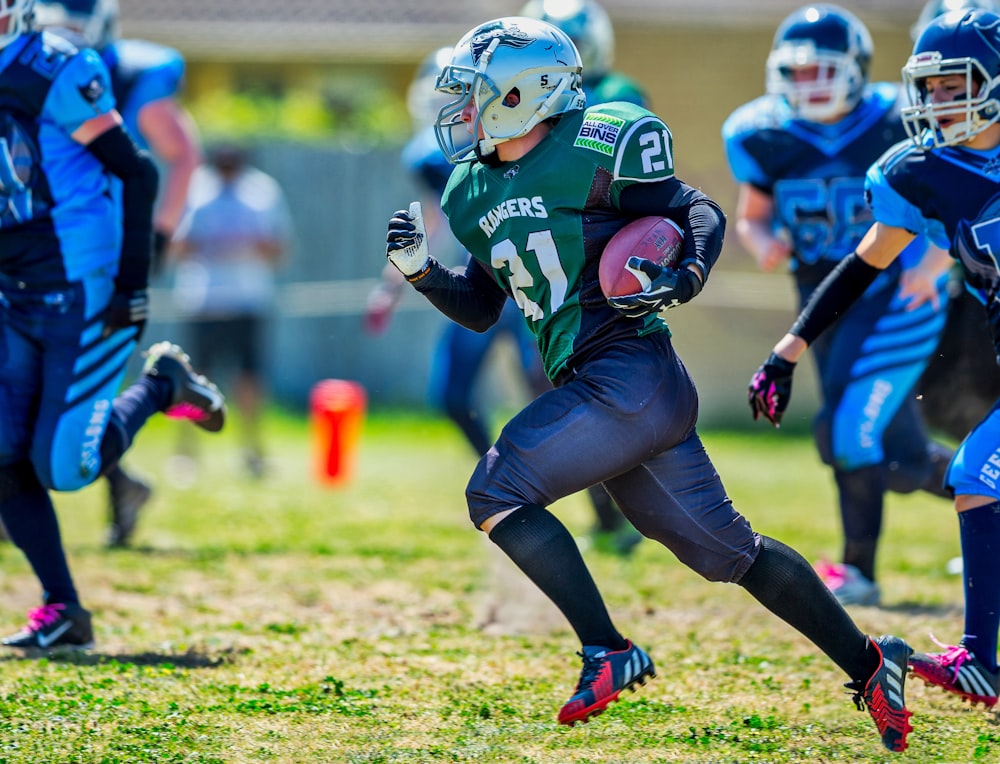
(286, 621)
(373, 119)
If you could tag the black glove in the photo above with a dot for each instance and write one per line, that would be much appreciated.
(770, 389)
(127, 308)
(664, 288)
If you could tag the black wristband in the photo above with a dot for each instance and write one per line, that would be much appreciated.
(837, 292)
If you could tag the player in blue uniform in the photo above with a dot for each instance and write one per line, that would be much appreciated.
(962, 381)
(146, 79)
(75, 249)
(800, 154)
(943, 183)
(545, 185)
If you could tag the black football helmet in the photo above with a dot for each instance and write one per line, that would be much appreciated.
(833, 40)
(964, 43)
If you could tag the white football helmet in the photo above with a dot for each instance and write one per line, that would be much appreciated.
(18, 14)
(96, 21)
(517, 72)
(587, 25)
(833, 40)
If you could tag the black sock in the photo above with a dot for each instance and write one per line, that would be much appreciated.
(861, 499)
(545, 551)
(783, 582)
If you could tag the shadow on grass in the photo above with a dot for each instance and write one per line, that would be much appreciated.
(189, 659)
(920, 608)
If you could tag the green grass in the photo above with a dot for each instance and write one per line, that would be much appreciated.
(284, 621)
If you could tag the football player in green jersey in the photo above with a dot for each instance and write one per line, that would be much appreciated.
(545, 184)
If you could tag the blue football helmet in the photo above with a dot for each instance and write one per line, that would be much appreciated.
(838, 44)
(587, 25)
(936, 8)
(517, 72)
(96, 21)
(19, 15)
(964, 43)
(422, 100)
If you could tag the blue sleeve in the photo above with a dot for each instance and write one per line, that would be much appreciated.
(80, 92)
(892, 209)
(422, 158)
(161, 81)
(742, 165)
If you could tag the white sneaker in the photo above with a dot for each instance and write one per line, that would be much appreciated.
(848, 584)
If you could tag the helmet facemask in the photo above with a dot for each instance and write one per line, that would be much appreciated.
(969, 114)
(836, 90)
(18, 14)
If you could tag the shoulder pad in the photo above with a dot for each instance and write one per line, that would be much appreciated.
(628, 140)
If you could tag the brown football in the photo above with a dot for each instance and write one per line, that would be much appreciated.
(652, 238)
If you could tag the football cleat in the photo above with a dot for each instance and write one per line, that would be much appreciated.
(959, 671)
(883, 695)
(605, 674)
(194, 397)
(55, 625)
(128, 496)
(848, 584)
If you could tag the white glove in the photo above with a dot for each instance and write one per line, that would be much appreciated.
(406, 243)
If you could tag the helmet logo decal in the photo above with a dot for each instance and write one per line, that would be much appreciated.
(505, 34)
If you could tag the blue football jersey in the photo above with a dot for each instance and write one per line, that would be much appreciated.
(422, 158)
(61, 217)
(814, 172)
(952, 195)
(141, 72)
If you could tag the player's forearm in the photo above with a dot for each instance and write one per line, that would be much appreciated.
(460, 299)
(838, 291)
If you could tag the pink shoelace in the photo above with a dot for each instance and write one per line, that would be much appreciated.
(42, 616)
(832, 574)
(952, 657)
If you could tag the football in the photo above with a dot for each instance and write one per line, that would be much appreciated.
(652, 238)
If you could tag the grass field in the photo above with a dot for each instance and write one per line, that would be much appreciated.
(281, 621)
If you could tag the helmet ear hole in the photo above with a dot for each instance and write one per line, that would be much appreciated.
(512, 99)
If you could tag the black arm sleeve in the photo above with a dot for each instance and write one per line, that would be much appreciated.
(472, 299)
(140, 180)
(835, 294)
(703, 221)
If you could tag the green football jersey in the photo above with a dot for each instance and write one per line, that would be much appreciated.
(539, 224)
